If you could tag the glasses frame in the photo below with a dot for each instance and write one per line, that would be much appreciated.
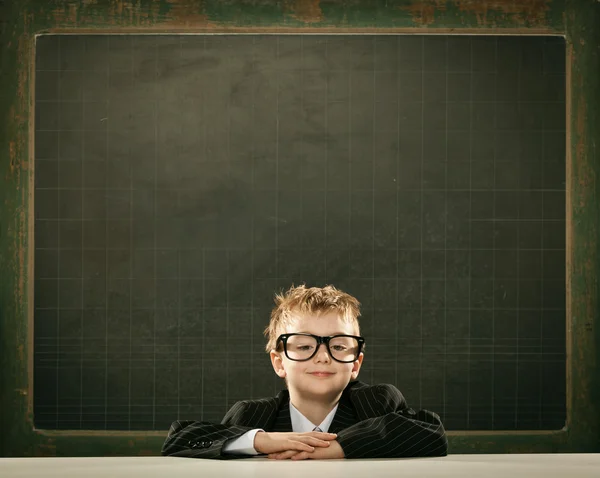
(283, 338)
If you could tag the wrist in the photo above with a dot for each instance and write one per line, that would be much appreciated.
(339, 449)
(256, 442)
(333, 451)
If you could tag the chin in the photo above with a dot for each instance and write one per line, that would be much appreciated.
(323, 385)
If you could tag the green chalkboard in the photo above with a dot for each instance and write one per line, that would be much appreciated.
(182, 180)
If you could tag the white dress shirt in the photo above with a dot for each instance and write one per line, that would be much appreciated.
(244, 445)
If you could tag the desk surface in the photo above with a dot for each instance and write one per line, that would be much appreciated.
(490, 466)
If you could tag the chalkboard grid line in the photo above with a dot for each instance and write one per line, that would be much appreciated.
(349, 154)
(131, 265)
(58, 269)
(422, 165)
(464, 309)
(303, 117)
(519, 106)
(542, 308)
(227, 267)
(81, 348)
(543, 190)
(446, 235)
(106, 159)
(179, 296)
(326, 148)
(203, 249)
(373, 166)
(399, 89)
(479, 101)
(155, 104)
(241, 249)
(470, 219)
(493, 261)
(252, 226)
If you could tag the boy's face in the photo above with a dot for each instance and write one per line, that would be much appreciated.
(320, 376)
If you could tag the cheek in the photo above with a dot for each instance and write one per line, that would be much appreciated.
(345, 368)
(293, 367)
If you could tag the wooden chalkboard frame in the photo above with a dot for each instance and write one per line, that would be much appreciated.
(576, 20)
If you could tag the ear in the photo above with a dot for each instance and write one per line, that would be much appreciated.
(277, 363)
(356, 366)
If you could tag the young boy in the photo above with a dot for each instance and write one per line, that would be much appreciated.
(315, 345)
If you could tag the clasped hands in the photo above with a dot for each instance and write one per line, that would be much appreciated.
(298, 446)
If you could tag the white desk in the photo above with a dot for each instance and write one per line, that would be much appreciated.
(488, 466)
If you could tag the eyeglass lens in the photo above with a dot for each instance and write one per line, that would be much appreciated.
(302, 347)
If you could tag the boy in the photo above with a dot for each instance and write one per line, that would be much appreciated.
(315, 345)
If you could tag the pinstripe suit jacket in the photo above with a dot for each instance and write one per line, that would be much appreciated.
(371, 422)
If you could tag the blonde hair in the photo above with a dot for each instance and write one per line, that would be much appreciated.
(314, 300)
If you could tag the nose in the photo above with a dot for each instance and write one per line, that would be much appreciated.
(322, 354)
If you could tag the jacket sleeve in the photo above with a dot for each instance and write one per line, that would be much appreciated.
(204, 439)
(390, 429)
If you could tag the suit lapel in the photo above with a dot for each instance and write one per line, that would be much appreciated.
(283, 421)
(280, 421)
(344, 415)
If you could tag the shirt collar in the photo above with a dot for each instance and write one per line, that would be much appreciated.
(301, 424)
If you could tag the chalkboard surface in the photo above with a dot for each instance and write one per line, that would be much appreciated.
(180, 181)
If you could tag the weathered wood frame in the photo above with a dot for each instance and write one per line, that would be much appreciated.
(577, 20)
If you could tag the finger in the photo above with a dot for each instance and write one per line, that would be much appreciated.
(322, 435)
(300, 456)
(316, 442)
(285, 455)
(293, 445)
(312, 441)
(275, 455)
(290, 454)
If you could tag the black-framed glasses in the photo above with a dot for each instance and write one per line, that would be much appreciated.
(341, 348)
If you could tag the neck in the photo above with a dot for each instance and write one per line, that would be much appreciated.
(315, 408)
